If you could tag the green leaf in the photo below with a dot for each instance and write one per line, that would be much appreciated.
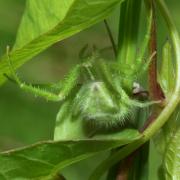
(171, 160)
(167, 71)
(45, 160)
(66, 126)
(79, 170)
(46, 22)
(166, 74)
(167, 139)
(167, 144)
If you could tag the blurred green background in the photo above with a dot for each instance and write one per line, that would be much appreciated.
(25, 119)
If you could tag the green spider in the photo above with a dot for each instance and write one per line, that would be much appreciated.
(104, 100)
(97, 90)
(102, 97)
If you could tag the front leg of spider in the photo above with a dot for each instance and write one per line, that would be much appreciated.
(68, 84)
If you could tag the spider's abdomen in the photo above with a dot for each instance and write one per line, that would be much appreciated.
(99, 107)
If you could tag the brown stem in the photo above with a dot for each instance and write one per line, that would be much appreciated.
(155, 90)
(124, 168)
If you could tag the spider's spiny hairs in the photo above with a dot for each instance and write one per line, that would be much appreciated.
(100, 88)
(123, 76)
(98, 107)
(91, 97)
(28, 87)
(107, 120)
(143, 67)
(37, 91)
(70, 82)
(63, 112)
(81, 100)
(108, 76)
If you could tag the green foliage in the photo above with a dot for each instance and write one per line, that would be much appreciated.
(167, 71)
(128, 37)
(41, 27)
(167, 138)
(96, 95)
(45, 160)
(102, 101)
(171, 162)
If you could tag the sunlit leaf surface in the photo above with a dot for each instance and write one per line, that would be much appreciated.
(46, 22)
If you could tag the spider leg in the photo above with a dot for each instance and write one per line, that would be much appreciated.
(142, 68)
(143, 104)
(140, 65)
(145, 41)
(84, 52)
(67, 85)
(108, 77)
(53, 87)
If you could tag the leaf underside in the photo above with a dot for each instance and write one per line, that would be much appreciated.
(45, 160)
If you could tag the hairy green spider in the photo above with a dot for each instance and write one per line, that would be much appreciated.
(103, 97)
(98, 91)
(104, 100)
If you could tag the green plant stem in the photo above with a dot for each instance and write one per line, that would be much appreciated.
(124, 170)
(171, 105)
(111, 37)
(128, 31)
(164, 115)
